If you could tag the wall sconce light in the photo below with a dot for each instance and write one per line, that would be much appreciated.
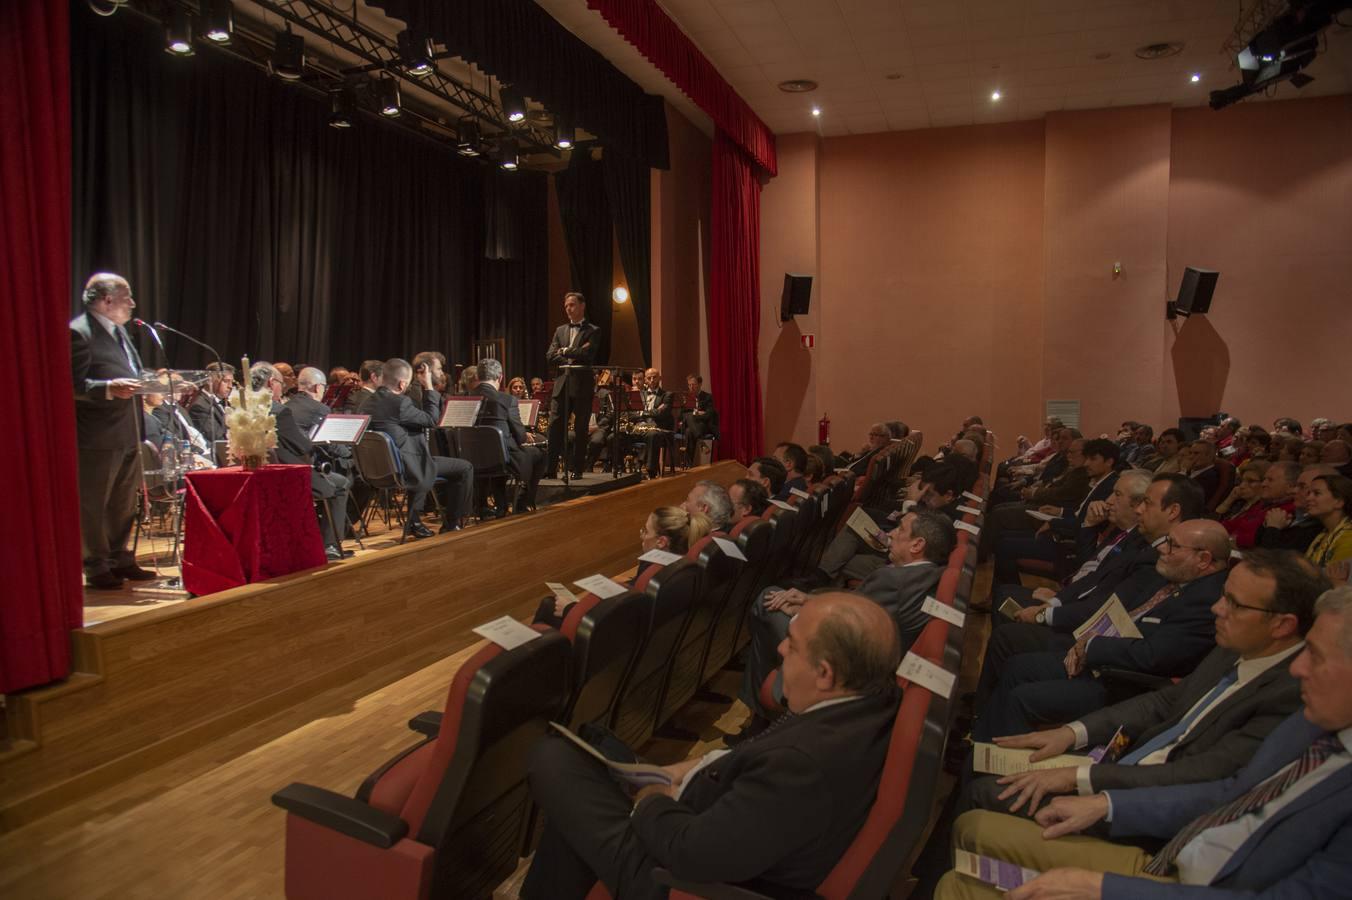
(620, 294)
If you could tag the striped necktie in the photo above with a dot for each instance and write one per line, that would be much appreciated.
(125, 346)
(1167, 592)
(1261, 795)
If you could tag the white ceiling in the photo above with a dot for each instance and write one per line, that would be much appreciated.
(890, 65)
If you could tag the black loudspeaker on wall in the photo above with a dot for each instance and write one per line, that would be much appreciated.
(797, 296)
(1194, 294)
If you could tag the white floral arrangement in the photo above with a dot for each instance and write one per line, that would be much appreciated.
(252, 429)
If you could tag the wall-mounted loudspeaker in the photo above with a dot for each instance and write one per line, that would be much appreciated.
(797, 296)
(1194, 294)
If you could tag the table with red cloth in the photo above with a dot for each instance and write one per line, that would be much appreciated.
(241, 526)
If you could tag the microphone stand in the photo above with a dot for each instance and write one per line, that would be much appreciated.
(220, 366)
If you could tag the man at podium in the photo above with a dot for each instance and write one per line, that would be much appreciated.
(574, 344)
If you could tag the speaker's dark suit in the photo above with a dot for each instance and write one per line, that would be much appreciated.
(107, 434)
(502, 412)
(395, 415)
(779, 809)
(294, 447)
(1217, 745)
(208, 415)
(571, 345)
(698, 423)
(1034, 690)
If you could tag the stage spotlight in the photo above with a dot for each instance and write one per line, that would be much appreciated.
(468, 143)
(564, 132)
(343, 107)
(178, 35)
(513, 104)
(415, 53)
(288, 56)
(220, 21)
(388, 90)
(507, 157)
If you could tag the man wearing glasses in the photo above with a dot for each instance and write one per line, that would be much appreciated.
(1206, 726)
(1176, 632)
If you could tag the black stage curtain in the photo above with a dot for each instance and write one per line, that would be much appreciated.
(520, 43)
(587, 230)
(629, 191)
(239, 216)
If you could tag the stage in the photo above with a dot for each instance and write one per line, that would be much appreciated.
(151, 687)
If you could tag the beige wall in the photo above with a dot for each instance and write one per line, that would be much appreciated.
(970, 270)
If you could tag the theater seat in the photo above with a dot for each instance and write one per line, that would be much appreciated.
(753, 539)
(447, 816)
(718, 575)
(606, 636)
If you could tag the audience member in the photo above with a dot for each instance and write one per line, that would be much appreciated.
(771, 474)
(709, 499)
(1329, 502)
(794, 460)
(749, 499)
(1203, 469)
(1280, 481)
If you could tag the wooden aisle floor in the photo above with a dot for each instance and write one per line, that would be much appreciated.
(203, 826)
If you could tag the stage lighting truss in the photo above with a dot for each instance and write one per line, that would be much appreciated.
(284, 53)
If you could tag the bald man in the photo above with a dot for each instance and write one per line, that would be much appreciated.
(1177, 630)
(780, 809)
(105, 368)
(294, 446)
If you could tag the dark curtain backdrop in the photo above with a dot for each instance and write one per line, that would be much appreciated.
(41, 601)
(629, 192)
(239, 216)
(734, 299)
(587, 230)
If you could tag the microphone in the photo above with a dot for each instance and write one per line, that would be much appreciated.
(202, 344)
(142, 323)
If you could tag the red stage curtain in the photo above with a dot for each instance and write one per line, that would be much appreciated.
(40, 529)
(734, 300)
(647, 26)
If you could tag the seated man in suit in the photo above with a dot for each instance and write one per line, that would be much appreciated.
(601, 438)
(1132, 575)
(701, 421)
(779, 810)
(656, 411)
(394, 414)
(1206, 726)
(917, 552)
(877, 438)
(370, 383)
(294, 447)
(161, 416)
(502, 412)
(1202, 468)
(1066, 489)
(794, 460)
(208, 407)
(1280, 827)
(1176, 632)
(709, 499)
(1019, 479)
(771, 474)
(748, 498)
(308, 409)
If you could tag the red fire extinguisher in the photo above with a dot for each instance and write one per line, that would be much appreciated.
(824, 431)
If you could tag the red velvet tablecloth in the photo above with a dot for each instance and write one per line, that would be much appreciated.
(243, 526)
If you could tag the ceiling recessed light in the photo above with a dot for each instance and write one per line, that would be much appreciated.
(798, 85)
(1196, 77)
(995, 95)
(816, 111)
(1160, 50)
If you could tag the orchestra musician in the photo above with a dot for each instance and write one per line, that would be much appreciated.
(598, 442)
(699, 419)
(657, 412)
(208, 407)
(574, 344)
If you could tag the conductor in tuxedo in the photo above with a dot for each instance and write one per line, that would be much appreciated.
(502, 412)
(778, 810)
(105, 367)
(573, 344)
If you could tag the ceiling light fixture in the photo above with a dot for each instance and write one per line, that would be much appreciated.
(816, 112)
(995, 95)
(564, 132)
(220, 16)
(468, 143)
(798, 86)
(513, 104)
(388, 89)
(507, 157)
(343, 107)
(178, 35)
(1196, 77)
(1161, 50)
(288, 56)
(415, 53)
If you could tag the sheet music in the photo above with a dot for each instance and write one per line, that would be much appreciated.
(529, 410)
(459, 411)
(507, 632)
(340, 428)
(730, 548)
(601, 586)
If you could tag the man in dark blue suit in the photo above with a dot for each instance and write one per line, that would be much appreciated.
(501, 412)
(1280, 827)
(105, 368)
(1176, 630)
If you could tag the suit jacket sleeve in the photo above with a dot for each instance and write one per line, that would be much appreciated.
(1137, 586)
(1170, 648)
(1139, 714)
(81, 358)
(412, 417)
(1067, 489)
(773, 806)
(289, 435)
